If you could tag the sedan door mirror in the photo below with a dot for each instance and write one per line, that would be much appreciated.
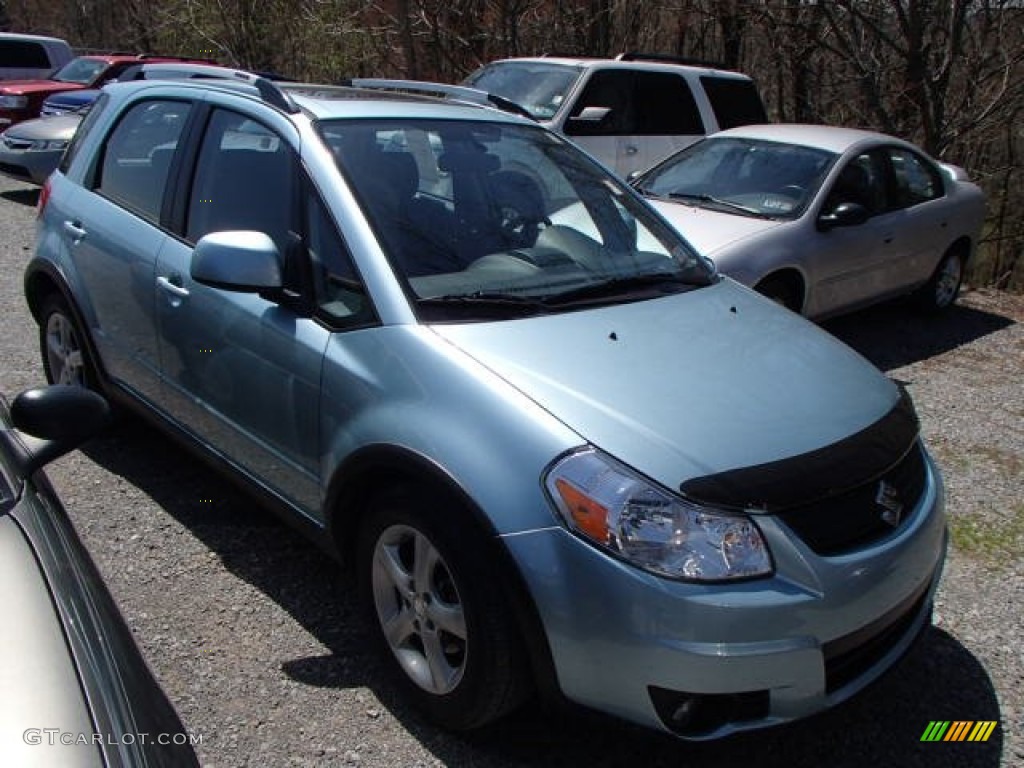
(843, 215)
(51, 421)
(239, 260)
(591, 115)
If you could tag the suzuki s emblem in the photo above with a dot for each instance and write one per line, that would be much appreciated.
(888, 498)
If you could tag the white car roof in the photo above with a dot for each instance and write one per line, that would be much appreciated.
(642, 64)
(827, 137)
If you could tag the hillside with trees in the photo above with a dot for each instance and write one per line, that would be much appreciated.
(946, 75)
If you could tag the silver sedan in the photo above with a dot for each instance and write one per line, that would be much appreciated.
(822, 219)
(31, 150)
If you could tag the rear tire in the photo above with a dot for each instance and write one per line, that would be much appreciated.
(943, 286)
(425, 585)
(62, 345)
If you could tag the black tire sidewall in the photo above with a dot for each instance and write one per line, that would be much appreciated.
(928, 296)
(490, 641)
(55, 304)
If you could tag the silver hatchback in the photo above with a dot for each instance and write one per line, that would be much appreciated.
(560, 452)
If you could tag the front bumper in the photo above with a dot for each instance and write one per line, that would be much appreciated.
(33, 166)
(703, 661)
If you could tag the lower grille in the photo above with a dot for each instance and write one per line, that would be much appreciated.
(847, 658)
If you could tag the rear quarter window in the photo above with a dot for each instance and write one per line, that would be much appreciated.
(735, 102)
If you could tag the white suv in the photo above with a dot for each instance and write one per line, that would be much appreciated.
(629, 112)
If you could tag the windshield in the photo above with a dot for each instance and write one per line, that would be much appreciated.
(82, 71)
(538, 87)
(493, 217)
(744, 176)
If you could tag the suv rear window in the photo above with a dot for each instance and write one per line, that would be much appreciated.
(735, 102)
(23, 54)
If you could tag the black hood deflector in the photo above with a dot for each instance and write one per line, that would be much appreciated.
(814, 476)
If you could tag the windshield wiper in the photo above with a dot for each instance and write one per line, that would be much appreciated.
(719, 201)
(486, 299)
(622, 287)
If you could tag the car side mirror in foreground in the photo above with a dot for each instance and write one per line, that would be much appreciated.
(239, 260)
(51, 421)
(843, 215)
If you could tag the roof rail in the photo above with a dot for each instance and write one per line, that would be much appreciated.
(455, 92)
(668, 58)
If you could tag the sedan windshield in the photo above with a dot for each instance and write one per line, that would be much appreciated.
(744, 176)
(538, 87)
(82, 71)
(493, 218)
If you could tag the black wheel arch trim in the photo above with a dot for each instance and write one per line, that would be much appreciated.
(347, 492)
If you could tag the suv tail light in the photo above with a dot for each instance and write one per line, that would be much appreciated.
(44, 198)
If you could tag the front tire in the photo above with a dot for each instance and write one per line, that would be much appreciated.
(66, 358)
(427, 590)
(782, 290)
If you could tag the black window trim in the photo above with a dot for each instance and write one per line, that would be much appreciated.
(308, 191)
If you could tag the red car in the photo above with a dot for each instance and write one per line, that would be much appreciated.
(22, 99)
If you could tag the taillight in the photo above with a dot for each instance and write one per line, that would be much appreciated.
(44, 198)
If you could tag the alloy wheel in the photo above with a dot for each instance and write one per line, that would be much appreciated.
(419, 609)
(65, 361)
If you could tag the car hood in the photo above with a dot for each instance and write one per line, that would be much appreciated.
(687, 386)
(74, 98)
(21, 87)
(711, 231)
(47, 128)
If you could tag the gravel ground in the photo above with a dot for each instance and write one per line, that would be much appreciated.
(257, 641)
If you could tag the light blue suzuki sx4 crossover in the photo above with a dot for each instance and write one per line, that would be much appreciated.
(559, 452)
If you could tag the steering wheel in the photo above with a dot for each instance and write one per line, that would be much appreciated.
(519, 228)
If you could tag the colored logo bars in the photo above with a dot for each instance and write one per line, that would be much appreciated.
(959, 730)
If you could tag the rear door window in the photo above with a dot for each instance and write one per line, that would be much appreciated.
(639, 104)
(137, 157)
(917, 181)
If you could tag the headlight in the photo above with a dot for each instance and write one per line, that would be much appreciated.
(629, 516)
(55, 144)
(14, 102)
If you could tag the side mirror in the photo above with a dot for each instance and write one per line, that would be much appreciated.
(843, 215)
(239, 260)
(591, 115)
(51, 421)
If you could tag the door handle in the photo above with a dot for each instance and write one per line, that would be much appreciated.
(168, 284)
(74, 228)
